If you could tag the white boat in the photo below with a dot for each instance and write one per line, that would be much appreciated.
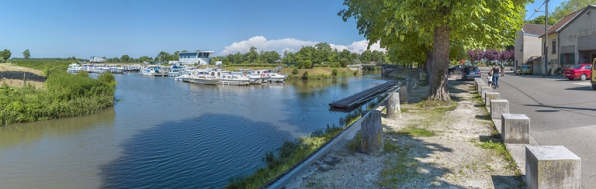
(276, 77)
(234, 78)
(201, 76)
(115, 69)
(155, 70)
(74, 68)
(175, 72)
(258, 76)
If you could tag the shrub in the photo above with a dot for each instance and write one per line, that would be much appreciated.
(305, 75)
(83, 74)
(334, 72)
(295, 71)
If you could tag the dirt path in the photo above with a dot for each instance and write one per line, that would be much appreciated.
(13, 75)
(450, 148)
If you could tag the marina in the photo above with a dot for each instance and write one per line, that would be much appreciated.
(182, 135)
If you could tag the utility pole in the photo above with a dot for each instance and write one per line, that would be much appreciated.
(546, 37)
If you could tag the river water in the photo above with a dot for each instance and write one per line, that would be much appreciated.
(167, 134)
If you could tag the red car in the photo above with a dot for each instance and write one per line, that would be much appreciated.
(580, 71)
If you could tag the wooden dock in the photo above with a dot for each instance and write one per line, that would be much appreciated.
(361, 97)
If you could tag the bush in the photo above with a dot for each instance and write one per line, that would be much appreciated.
(64, 95)
(305, 75)
(83, 74)
(334, 72)
(295, 71)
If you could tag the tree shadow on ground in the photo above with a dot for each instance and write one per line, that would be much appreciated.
(404, 168)
(504, 182)
(19, 75)
(190, 153)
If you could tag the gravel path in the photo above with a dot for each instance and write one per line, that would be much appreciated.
(452, 158)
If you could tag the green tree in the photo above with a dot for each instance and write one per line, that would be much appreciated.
(5, 55)
(568, 7)
(366, 57)
(125, 58)
(345, 54)
(145, 59)
(26, 54)
(252, 55)
(540, 20)
(437, 22)
(162, 56)
(288, 57)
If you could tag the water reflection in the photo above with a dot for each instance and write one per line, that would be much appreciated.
(164, 133)
(184, 153)
(29, 133)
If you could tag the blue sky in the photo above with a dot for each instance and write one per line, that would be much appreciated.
(111, 28)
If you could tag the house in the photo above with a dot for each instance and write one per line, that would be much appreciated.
(527, 44)
(577, 38)
(199, 57)
(96, 59)
(553, 48)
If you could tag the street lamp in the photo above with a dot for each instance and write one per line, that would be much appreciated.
(545, 36)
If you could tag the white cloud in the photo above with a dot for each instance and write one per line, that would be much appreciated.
(291, 45)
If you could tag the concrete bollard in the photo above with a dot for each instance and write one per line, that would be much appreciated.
(403, 94)
(484, 90)
(552, 167)
(393, 106)
(515, 128)
(498, 107)
(479, 88)
(490, 96)
(477, 81)
(372, 133)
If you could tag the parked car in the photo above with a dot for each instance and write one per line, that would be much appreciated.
(523, 69)
(471, 72)
(455, 69)
(580, 71)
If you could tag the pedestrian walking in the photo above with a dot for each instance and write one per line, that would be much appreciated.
(490, 78)
(496, 72)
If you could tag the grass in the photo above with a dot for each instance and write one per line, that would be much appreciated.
(63, 95)
(285, 157)
(398, 169)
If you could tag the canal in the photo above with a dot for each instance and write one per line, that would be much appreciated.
(167, 134)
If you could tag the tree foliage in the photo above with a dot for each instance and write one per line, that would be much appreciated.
(5, 55)
(540, 20)
(568, 7)
(26, 54)
(440, 23)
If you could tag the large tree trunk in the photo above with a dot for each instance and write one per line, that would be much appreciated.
(438, 83)
(428, 65)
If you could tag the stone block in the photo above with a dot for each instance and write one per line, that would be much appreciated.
(552, 167)
(490, 96)
(498, 107)
(479, 87)
(372, 133)
(403, 94)
(485, 89)
(478, 81)
(515, 128)
(393, 106)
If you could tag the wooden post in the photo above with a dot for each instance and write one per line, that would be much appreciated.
(372, 133)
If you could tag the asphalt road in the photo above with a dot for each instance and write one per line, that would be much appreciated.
(561, 112)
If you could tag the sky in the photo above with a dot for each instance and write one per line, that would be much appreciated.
(112, 28)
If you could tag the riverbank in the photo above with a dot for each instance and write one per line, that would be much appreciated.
(445, 147)
(56, 94)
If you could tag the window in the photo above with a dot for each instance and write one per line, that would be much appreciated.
(554, 47)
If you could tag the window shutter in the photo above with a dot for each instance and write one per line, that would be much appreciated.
(562, 58)
(572, 59)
